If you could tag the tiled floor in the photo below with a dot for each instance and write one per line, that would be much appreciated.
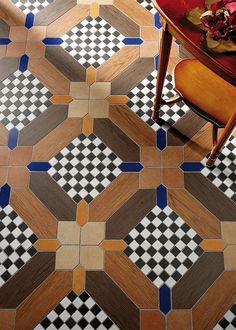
(108, 220)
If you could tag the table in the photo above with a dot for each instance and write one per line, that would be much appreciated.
(176, 25)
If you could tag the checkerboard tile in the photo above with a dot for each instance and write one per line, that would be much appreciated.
(148, 5)
(85, 167)
(16, 243)
(92, 42)
(163, 246)
(141, 101)
(228, 322)
(33, 6)
(77, 312)
(22, 98)
(223, 174)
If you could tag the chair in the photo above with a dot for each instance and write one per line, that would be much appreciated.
(210, 96)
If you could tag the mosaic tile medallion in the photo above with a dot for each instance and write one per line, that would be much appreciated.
(148, 5)
(33, 6)
(163, 246)
(22, 98)
(85, 167)
(141, 101)
(223, 174)
(228, 322)
(16, 243)
(77, 312)
(92, 42)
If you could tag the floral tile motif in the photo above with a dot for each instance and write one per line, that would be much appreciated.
(85, 167)
(92, 42)
(228, 322)
(33, 6)
(163, 246)
(77, 312)
(16, 243)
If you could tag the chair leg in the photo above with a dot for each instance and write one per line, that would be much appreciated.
(214, 135)
(226, 133)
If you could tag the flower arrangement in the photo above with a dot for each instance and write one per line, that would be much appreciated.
(218, 20)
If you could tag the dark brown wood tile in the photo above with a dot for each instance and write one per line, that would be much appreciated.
(130, 214)
(27, 279)
(130, 77)
(43, 125)
(112, 300)
(8, 65)
(119, 21)
(4, 29)
(197, 280)
(54, 11)
(65, 63)
(53, 196)
(210, 196)
(116, 140)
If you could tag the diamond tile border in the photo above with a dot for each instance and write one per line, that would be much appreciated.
(32, 6)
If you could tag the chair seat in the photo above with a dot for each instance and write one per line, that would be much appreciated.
(204, 89)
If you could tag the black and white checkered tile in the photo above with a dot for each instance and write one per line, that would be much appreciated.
(163, 246)
(16, 243)
(148, 5)
(33, 6)
(22, 98)
(228, 322)
(85, 167)
(92, 42)
(77, 312)
(223, 174)
(141, 101)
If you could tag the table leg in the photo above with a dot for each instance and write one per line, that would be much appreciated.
(164, 55)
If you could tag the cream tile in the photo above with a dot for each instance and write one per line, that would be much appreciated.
(92, 233)
(68, 232)
(79, 90)
(99, 108)
(230, 257)
(18, 33)
(67, 257)
(92, 257)
(78, 108)
(149, 49)
(100, 90)
(228, 229)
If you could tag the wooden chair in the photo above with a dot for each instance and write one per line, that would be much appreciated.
(210, 96)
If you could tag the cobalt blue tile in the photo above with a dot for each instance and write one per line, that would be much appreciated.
(13, 138)
(5, 195)
(177, 42)
(131, 167)
(52, 41)
(24, 61)
(29, 21)
(157, 21)
(192, 167)
(39, 166)
(161, 194)
(132, 41)
(5, 41)
(165, 299)
(161, 139)
(156, 62)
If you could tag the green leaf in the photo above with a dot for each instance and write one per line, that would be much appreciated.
(225, 46)
(209, 2)
(211, 43)
(194, 15)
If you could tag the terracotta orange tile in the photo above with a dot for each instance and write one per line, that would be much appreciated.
(68, 232)
(35, 49)
(213, 245)
(179, 320)
(230, 257)
(4, 156)
(11, 14)
(87, 125)
(79, 90)
(18, 33)
(150, 157)
(92, 233)
(92, 257)
(61, 99)
(98, 108)
(100, 90)
(94, 10)
(172, 156)
(18, 176)
(16, 49)
(37, 33)
(150, 178)
(21, 156)
(152, 320)
(117, 99)
(78, 108)
(228, 230)
(67, 257)
(91, 73)
(47, 244)
(173, 177)
(149, 49)
(79, 280)
(3, 175)
(3, 134)
(149, 33)
(82, 213)
(113, 245)
(7, 319)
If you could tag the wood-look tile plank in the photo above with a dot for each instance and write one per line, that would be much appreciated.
(123, 220)
(112, 300)
(213, 245)
(47, 244)
(79, 279)
(7, 66)
(3, 134)
(53, 196)
(11, 14)
(113, 197)
(27, 279)
(16, 49)
(7, 319)
(117, 63)
(191, 210)
(218, 300)
(197, 280)
(152, 320)
(3, 175)
(21, 156)
(131, 280)
(132, 125)
(43, 300)
(82, 213)
(4, 29)
(210, 196)
(4, 156)
(113, 245)
(34, 213)
(18, 176)
(57, 139)
(228, 230)
(119, 21)
(179, 320)
(116, 140)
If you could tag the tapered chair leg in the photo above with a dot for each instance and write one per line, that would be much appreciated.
(214, 135)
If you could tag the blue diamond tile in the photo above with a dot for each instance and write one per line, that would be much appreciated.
(192, 167)
(13, 138)
(161, 194)
(132, 41)
(24, 61)
(5, 195)
(131, 167)
(165, 299)
(39, 166)
(161, 139)
(29, 21)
